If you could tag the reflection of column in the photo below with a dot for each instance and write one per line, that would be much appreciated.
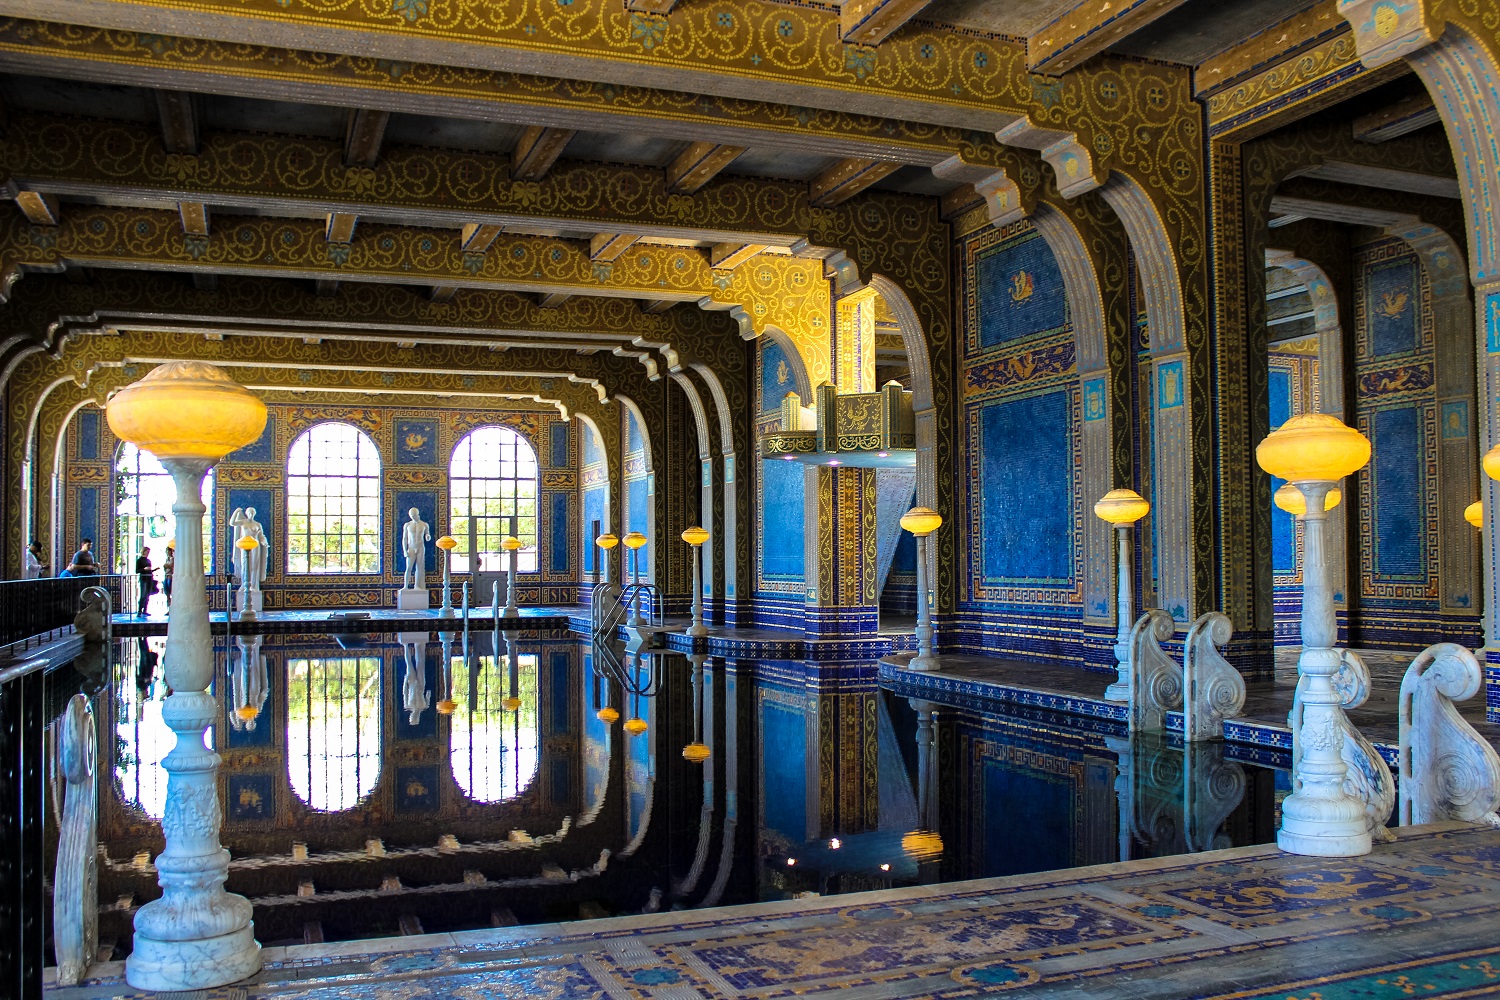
(1124, 791)
(700, 752)
(925, 844)
(731, 787)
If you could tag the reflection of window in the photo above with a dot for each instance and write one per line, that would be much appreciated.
(493, 477)
(144, 494)
(142, 739)
(494, 751)
(333, 501)
(333, 729)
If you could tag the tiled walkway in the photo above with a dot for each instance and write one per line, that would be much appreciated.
(1420, 917)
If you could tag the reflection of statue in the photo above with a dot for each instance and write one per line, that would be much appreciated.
(414, 538)
(249, 682)
(415, 697)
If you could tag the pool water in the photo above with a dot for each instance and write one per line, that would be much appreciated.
(371, 791)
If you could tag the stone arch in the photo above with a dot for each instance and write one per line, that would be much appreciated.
(728, 452)
(650, 561)
(801, 381)
(705, 481)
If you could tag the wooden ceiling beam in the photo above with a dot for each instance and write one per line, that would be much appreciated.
(1385, 178)
(699, 164)
(179, 121)
(870, 22)
(848, 178)
(326, 288)
(442, 293)
(655, 306)
(607, 247)
(40, 209)
(538, 149)
(728, 256)
(194, 217)
(363, 134)
(339, 227)
(551, 300)
(1397, 120)
(1087, 29)
(477, 236)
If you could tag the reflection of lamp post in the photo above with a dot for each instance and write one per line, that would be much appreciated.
(512, 702)
(922, 522)
(633, 541)
(247, 545)
(511, 544)
(697, 751)
(1320, 818)
(606, 542)
(447, 543)
(446, 705)
(696, 536)
(196, 936)
(1122, 508)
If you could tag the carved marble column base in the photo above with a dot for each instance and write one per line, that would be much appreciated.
(921, 663)
(1324, 828)
(413, 600)
(697, 631)
(1120, 689)
(199, 964)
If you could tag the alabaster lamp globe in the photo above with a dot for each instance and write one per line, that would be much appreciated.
(696, 753)
(921, 521)
(1474, 514)
(635, 727)
(247, 543)
(1491, 462)
(1291, 500)
(922, 844)
(447, 543)
(607, 541)
(186, 409)
(634, 540)
(511, 704)
(607, 715)
(510, 543)
(1122, 507)
(1313, 447)
(695, 535)
(446, 707)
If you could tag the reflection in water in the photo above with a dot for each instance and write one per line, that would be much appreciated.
(494, 745)
(333, 729)
(249, 684)
(141, 738)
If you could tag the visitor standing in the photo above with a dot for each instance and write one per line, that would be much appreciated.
(83, 562)
(145, 575)
(34, 569)
(166, 571)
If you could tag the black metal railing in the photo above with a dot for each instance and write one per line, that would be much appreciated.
(33, 608)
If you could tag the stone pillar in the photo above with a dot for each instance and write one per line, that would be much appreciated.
(839, 535)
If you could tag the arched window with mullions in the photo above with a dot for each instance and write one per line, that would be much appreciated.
(333, 501)
(492, 477)
(144, 495)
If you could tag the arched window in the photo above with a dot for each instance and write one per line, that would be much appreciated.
(333, 501)
(333, 729)
(493, 478)
(495, 752)
(144, 494)
(142, 739)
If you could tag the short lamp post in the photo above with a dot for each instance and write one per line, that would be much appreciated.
(607, 542)
(696, 536)
(246, 545)
(633, 541)
(1314, 451)
(922, 522)
(512, 545)
(1290, 499)
(447, 543)
(1122, 508)
(196, 936)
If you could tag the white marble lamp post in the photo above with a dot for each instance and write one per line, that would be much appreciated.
(1320, 818)
(696, 536)
(922, 522)
(1290, 499)
(1122, 508)
(447, 544)
(196, 936)
(634, 541)
(512, 545)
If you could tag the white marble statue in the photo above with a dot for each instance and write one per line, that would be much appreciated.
(1448, 771)
(414, 538)
(250, 565)
(415, 697)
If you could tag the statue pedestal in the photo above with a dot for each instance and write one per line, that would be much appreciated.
(413, 600)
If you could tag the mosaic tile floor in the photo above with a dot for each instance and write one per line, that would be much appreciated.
(1420, 917)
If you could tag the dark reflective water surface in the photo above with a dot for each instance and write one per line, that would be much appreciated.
(370, 791)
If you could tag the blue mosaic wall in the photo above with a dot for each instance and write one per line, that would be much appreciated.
(775, 377)
(1283, 528)
(782, 523)
(595, 498)
(1022, 417)
(1398, 459)
(783, 730)
(88, 435)
(259, 450)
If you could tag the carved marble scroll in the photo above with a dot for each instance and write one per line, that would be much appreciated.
(1212, 690)
(1448, 771)
(75, 886)
(1156, 682)
(1367, 777)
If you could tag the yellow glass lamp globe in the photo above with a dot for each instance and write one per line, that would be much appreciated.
(607, 541)
(607, 715)
(246, 713)
(247, 543)
(1122, 507)
(695, 536)
(634, 540)
(186, 409)
(1474, 514)
(921, 521)
(1491, 462)
(922, 844)
(511, 704)
(1291, 500)
(447, 543)
(1313, 447)
(696, 753)
(510, 543)
(635, 727)
(446, 707)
